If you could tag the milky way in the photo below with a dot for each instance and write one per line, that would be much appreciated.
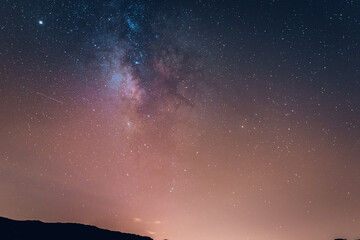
(182, 119)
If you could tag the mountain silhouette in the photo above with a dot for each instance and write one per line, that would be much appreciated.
(21, 230)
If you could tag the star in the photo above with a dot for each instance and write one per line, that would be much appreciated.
(41, 22)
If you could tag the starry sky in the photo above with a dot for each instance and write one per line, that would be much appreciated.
(184, 120)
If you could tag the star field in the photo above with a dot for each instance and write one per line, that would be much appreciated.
(183, 119)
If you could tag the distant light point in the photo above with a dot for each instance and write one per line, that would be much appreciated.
(41, 22)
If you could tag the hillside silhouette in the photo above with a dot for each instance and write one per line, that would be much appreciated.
(21, 230)
(343, 239)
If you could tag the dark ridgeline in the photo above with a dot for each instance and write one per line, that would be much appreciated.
(21, 230)
(343, 239)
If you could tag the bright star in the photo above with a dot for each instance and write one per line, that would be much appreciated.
(41, 22)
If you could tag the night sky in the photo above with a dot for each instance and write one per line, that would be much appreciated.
(185, 120)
